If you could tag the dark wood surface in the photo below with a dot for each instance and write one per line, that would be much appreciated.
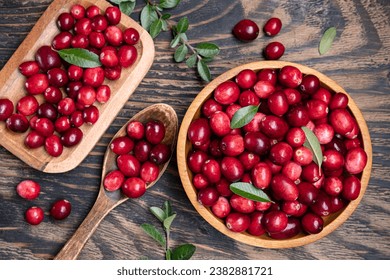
(358, 61)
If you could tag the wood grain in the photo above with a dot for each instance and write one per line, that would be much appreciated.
(358, 61)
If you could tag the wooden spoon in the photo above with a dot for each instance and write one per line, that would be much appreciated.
(106, 201)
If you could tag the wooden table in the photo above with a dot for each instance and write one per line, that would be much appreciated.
(358, 61)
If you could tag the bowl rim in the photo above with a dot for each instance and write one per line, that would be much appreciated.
(332, 221)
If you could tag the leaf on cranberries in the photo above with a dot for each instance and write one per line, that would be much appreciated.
(243, 116)
(80, 57)
(249, 191)
(314, 145)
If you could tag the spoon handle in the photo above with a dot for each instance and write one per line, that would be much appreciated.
(75, 244)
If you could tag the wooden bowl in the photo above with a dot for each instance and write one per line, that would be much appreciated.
(331, 222)
(12, 87)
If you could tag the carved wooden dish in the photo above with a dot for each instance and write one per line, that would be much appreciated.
(331, 222)
(12, 87)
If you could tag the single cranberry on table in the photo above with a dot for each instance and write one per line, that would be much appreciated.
(28, 189)
(272, 27)
(274, 51)
(246, 30)
(34, 215)
(60, 209)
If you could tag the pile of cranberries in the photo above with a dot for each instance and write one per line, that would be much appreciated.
(34, 215)
(270, 154)
(140, 154)
(61, 97)
(247, 30)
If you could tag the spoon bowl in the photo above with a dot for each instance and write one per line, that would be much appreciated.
(107, 200)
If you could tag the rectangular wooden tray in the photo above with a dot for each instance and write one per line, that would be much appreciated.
(12, 87)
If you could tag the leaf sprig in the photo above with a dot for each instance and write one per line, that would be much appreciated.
(155, 19)
(166, 216)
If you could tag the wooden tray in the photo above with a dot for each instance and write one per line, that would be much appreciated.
(12, 87)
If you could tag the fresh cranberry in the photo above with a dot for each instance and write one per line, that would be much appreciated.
(99, 23)
(227, 93)
(154, 131)
(127, 55)
(114, 35)
(142, 150)
(242, 204)
(72, 137)
(131, 36)
(65, 21)
(92, 11)
(292, 229)
(149, 172)
(274, 51)
(109, 57)
(257, 142)
(221, 208)
(292, 170)
(47, 110)
(34, 140)
(321, 205)
(307, 193)
(208, 196)
(275, 221)
(332, 160)
(232, 169)
(28, 189)
(53, 145)
(199, 132)
(34, 215)
(268, 74)
(290, 76)
(113, 15)
(212, 170)
(338, 101)
(312, 223)
(28, 68)
(351, 187)
(333, 186)
(17, 123)
(47, 58)
(80, 41)
(37, 84)
(113, 180)
(246, 30)
(103, 94)
(278, 103)
(93, 76)
(61, 209)
(209, 107)
(274, 127)
(128, 165)
(134, 187)
(237, 222)
(200, 181)
(272, 27)
(355, 160)
(263, 89)
(310, 84)
(160, 153)
(135, 130)
(246, 79)
(341, 121)
(62, 40)
(91, 114)
(122, 145)
(62, 124)
(220, 123)
(195, 160)
(284, 188)
(27, 105)
(77, 11)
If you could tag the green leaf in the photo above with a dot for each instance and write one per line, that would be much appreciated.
(158, 212)
(175, 41)
(191, 61)
(80, 57)
(168, 221)
(168, 254)
(183, 252)
(168, 4)
(207, 49)
(127, 7)
(148, 15)
(243, 116)
(203, 70)
(249, 191)
(180, 53)
(182, 25)
(155, 28)
(314, 145)
(154, 233)
(168, 209)
(327, 40)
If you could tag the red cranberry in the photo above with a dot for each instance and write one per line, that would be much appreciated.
(317, 109)
(34, 215)
(80, 41)
(303, 156)
(113, 180)
(65, 21)
(52, 95)
(28, 68)
(210, 106)
(83, 26)
(261, 175)
(246, 78)
(351, 188)
(355, 160)
(256, 227)
(284, 188)
(93, 76)
(227, 93)
(28, 189)
(237, 222)
(295, 137)
(274, 51)
(199, 132)
(53, 145)
(131, 36)
(223, 187)
(92, 11)
(37, 84)
(160, 153)
(109, 57)
(249, 160)
(292, 229)
(312, 223)
(246, 30)
(134, 187)
(103, 94)
(275, 221)
(310, 84)
(272, 26)
(267, 74)
(212, 170)
(66, 106)
(297, 116)
(99, 23)
(290, 76)
(195, 160)
(232, 169)
(113, 73)
(208, 196)
(293, 96)
(257, 142)
(200, 181)
(321, 205)
(338, 101)
(114, 35)
(254, 124)
(232, 109)
(154, 131)
(17, 123)
(332, 160)
(127, 55)
(44, 126)
(341, 121)
(62, 40)
(47, 110)
(6, 108)
(122, 145)
(77, 119)
(86, 96)
(291, 208)
(47, 58)
(292, 170)
(242, 204)
(91, 114)
(72, 137)
(61, 209)
(135, 130)
(77, 11)
(274, 127)
(307, 193)
(336, 204)
(247, 98)
(324, 133)
(221, 208)
(142, 150)
(128, 165)
(280, 153)
(149, 172)
(34, 140)
(220, 123)
(311, 172)
(333, 186)
(62, 124)
(27, 105)
(264, 89)
(96, 40)
(113, 15)
(232, 145)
